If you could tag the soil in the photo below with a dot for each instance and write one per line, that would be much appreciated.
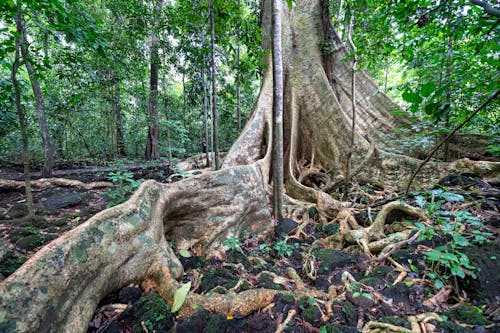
(379, 292)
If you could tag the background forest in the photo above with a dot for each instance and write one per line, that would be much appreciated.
(95, 63)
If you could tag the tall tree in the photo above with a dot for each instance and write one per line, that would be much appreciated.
(152, 143)
(22, 127)
(277, 160)
(48, 162)
(215, 137)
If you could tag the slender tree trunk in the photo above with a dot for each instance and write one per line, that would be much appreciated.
(22, 126)
(214, 92)
(152, 145)
(205, 115)
(277, 154)
(238, 79)
(449, 69)
(120, 140)
(354, 68)
(48, 147)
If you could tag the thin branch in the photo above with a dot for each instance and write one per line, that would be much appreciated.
(492, 97)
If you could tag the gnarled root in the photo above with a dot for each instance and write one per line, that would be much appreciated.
(372, 239)
(7, 185)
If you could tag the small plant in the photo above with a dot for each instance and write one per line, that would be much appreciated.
(283, 249)
(265, 249)
(234, 243)
(449, 260)
(126, 185)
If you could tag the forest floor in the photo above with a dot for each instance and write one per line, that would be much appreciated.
(450, 270)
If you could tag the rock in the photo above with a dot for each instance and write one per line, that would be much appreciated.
(152, 311)
(32, 241)
(330, 260)
(129, 295)
(203, 321)
(10, 259)
(284, 227)
(17, 211)
(467, 314)
(218, 277)
(487, 284)
(63, 199)
(192, 262)
(310, 311)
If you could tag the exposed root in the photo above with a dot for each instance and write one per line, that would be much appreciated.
(372, 239)
(7, 185)
(287, 320)
(417, 325)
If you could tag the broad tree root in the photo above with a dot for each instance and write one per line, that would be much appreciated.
(58, 289)
(418, 324)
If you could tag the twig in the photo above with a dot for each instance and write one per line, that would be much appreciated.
(285, 322)
(492, 97)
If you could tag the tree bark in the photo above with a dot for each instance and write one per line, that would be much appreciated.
(120, 140)
(152, 143)
(48, 147)
(22, 127)
(215, 135)
(277, 111)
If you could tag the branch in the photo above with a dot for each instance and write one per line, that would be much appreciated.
(492, 97)
(487, 7)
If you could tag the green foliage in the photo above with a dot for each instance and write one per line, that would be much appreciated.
(449, 260)
(234, 243)
(283, 249)
(126, 184)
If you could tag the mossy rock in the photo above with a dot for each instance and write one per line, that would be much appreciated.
(350, 313)
(467, 314)
(218, 277)
(151, 310)
(328, 229)
(204, 321)
(32, 241)
(266, 281)
(60, 221)
(330, 260)
(310, 311)
(449, 327)
(192, 262)
(10, 259)
(397, 321)
(336, 328)
(17, 211)
(17, 234)
(372, 281)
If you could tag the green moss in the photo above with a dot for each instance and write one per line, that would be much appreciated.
(11, 262)
(467, 314)
(336, 328)
(79, 253)
(220, 277)
(330, 260)
(216, 323)
(30, 242)
(151, 310)
(372, 281)
(397, 321)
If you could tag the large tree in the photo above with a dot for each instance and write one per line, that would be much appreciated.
(59, 288)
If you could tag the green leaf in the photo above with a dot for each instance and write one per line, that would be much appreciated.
(452, 197)
(427, 89)
(420, 200)
(180, 296)
(185, 253)
(289, 3)
(412, 97)
(457, 271)
(460, 240)
(438, 284)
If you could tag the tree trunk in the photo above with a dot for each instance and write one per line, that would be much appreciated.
(204, 106)
(59, 288)
(48, 147)
(120, 140)
(152, 144)
(277, 111)
(22, 127)
(215, 137)
(238, 79)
